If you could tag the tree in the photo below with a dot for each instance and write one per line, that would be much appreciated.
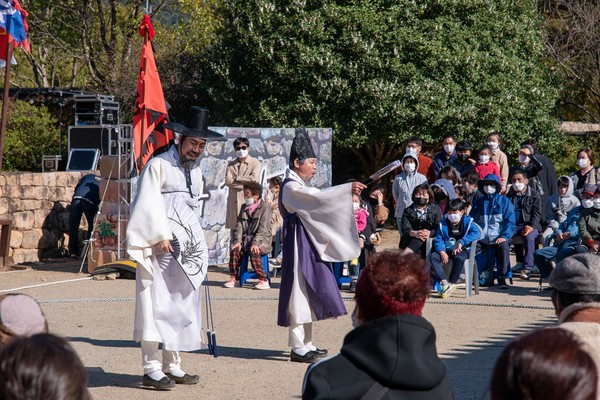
(573, 43)
(31, 133)
(378, 72)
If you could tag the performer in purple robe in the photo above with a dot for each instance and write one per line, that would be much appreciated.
(318, 228)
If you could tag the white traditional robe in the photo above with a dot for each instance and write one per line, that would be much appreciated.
(328, 218)
(167, 307)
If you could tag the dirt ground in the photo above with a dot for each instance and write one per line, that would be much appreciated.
(96, 316)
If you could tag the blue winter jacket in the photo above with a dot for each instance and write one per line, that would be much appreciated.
(471, 233)
(494, 213)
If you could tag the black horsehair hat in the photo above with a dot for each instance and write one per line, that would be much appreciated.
(196, 125)
(301, 146)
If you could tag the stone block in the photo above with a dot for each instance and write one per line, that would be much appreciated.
(31, 239)
(12, 179)
(2, 180)
(21, 256)
(49, 179)
(23, 220)
(30, 205)
(4, 205)
(63, 180)
(16, 238)
(26, 179)
(40, 192)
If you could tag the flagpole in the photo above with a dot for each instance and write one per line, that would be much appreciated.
(5, 101)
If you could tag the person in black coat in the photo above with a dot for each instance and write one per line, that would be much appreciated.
(420, 221)
(528, 213)
(547, 176)
(391, 352)
(86, 200)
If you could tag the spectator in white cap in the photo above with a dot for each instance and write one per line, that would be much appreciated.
(576, 299)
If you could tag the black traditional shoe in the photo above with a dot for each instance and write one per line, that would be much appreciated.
(309, 357)
(163, 384)
(187, 379)
(320, 352)
(502, 284)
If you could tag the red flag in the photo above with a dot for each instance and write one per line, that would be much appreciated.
(150, 110)
(13, 28)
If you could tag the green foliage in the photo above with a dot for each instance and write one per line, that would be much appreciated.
(105, 230)
(31, 133)
(380, 71)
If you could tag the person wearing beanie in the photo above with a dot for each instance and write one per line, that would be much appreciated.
(318, 228)
(20, 315)
(576, 299)
(589, 220)
(391, 352)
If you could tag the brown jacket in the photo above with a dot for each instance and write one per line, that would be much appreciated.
(260, 227)
(239, 173)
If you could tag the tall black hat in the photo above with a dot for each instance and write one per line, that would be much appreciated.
(196, 125)
(301, 146)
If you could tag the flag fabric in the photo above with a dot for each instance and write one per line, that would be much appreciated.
(150, 109)
(13, 28)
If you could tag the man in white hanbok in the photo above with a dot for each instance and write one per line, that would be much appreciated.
(170, 267)
(318, 228)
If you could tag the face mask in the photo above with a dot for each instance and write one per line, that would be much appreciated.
(249, 201)
(467, 187)
(597, 204)
(493, 145)
(355, 206)
(449, 148)
(582, 162)
(484, 159)
(241, 153)
(523, 158)
(421, 201)
(587, 203)
(462, 157)
(518, 186)
(411, 150)
(454, 218)
(489, 189)
(410, 167)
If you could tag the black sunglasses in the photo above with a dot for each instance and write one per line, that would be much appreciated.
(241, 147)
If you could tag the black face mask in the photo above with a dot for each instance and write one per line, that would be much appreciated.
(462, 157)
(421, 201)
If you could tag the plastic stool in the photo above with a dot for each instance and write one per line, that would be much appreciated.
(337, 273)
(245, 274)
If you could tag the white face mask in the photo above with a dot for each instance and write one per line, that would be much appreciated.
(582, 162)
(355, 206)
(523, 158)
(249, 201)
(454, 218)
(518, 186)
(493, 145)
(587, 203)
(410, 167)
(241, 153)
(489, 189)
(411, 151)
(484, 159)
(449, 148)
(597, 204)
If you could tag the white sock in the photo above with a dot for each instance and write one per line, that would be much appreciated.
(157, 375)
(177, 372)
(301, 351)
(444, 282)
(310, 347)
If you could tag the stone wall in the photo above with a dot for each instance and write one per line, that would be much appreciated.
(38, 205)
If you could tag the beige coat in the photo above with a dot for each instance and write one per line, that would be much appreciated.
(238, 173)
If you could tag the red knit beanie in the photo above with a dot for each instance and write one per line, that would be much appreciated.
(392, 284)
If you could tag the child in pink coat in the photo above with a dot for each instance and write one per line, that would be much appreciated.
(484, 166)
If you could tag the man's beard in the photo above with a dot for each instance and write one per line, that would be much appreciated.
(187, 164)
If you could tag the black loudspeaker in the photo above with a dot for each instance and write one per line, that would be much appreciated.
(103, 138)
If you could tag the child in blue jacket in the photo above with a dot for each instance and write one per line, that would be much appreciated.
(454, 236)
